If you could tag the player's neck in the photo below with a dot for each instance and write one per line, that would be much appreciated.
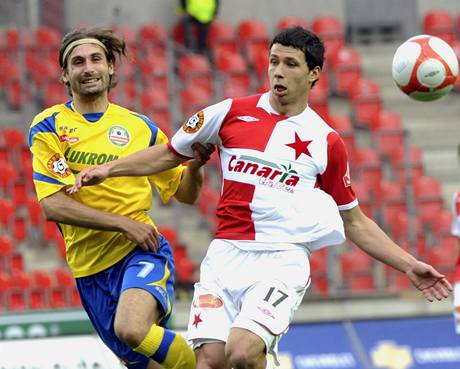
(287, 109)
(90, 105)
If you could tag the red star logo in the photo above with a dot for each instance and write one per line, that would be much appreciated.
(300, 147)
(197, 320)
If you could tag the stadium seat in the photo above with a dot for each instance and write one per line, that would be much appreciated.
(232, 67)
(331, 31)
(344, 69)
(47, 37)
(169, 233)
(397, 282)
(318, 262)
(37, 299)
(355, 262)
(58, 298)
(195, 69)
(428, 198)
(153, 66)
(441, 255)
(7, 213)
(368, 168)
(405, 164)
(365, 101)
(252, 30)
(20, 233)
(387, 132)
(320, 285)
(63, 277)
(193, 99)
(440, 226)
(318, 100)
(41, 279)
(364, 196)
(222, 38)
(54, 93)
(342, 125)
(360, 283)
(439, 23)
(290, 21)
(153, 37)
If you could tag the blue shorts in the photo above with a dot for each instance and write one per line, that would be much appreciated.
(139, 269)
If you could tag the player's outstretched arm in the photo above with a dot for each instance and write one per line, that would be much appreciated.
(142, 163)
(369, 237)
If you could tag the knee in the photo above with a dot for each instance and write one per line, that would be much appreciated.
(130, 334)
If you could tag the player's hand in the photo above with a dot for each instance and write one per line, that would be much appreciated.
(142, 234)
(89, 177)
(429, 281)
(201, 154)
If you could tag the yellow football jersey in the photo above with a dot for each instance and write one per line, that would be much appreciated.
(64, 142)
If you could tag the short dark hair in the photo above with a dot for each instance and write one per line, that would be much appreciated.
(114, 44)
(305, 40)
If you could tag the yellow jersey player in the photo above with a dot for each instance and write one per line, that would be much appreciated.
(124, 269)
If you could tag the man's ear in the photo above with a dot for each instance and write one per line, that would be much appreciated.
(314, 74)
(111, 70)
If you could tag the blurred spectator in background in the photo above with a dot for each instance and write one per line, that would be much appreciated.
(456, 233)
(197, 18)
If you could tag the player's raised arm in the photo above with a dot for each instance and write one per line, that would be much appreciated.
(145, 162)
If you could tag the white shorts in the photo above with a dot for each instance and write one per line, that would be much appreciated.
(457, 306)
(255, 290)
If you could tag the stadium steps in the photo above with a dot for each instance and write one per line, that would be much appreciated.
(432, 126)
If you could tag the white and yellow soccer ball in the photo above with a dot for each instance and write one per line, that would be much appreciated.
(425, 67)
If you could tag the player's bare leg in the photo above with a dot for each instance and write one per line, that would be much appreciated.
(211, 356)
(245, 350)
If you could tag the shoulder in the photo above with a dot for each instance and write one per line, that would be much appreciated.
(49, 113)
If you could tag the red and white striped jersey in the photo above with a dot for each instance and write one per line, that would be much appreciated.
(284, 178)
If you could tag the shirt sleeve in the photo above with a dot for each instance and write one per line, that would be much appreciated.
(203, 127)
(166, 182)
(335, 180)
(51, 172)
(455, 229)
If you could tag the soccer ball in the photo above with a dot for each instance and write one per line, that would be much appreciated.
(425, 67)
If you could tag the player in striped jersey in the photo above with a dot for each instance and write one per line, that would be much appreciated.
(286, 192)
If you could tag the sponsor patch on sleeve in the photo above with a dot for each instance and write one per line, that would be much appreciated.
(58, 166)
(194, 123)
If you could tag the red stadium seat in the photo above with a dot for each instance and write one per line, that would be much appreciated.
(441, 255)
(365, 101)
(195, 69)
(331, 31)
(428, 198)
(364, 196)
(222, 38)
(153, 35)
(412, 163)
(252, 30)
(290, 21)
(345, 68)
(387, 132)
(318, 100)
(58, 298)
(193, 99)
(232, 67)
(169, 233)
(355, 262)
(342, 125)
(360, 283)
(318, 262)
(368, 168)
(439, 23)
(41, 279)
(63, 277)
(37, 299)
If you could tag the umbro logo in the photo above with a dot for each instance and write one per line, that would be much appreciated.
(248, 118)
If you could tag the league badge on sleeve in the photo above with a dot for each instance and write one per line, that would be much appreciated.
(58, 166)
(194, 123)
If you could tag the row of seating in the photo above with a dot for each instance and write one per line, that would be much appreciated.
(443, 24)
